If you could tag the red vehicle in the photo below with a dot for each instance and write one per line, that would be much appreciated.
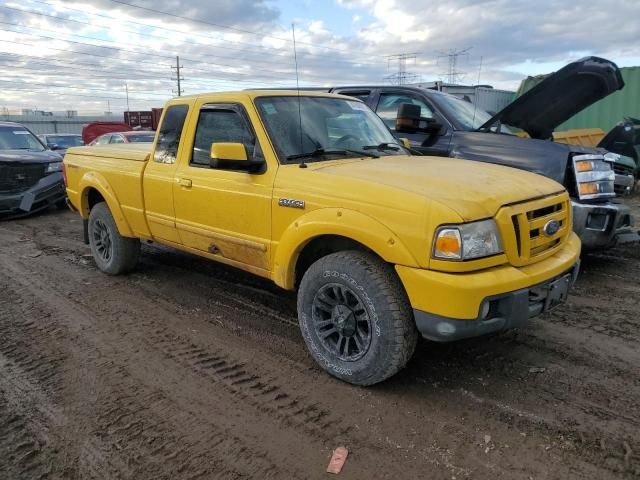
(124, 137)
(93, 130)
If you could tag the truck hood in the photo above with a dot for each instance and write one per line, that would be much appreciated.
(560, 96)
(26, 156)
(474, 190)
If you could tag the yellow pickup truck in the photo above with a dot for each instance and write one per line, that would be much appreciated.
(313, 192)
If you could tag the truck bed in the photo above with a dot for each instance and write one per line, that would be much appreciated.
(125, 151)
(120, 169)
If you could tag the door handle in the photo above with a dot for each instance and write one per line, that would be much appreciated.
(185, 182)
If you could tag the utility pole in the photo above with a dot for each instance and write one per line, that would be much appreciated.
(178, 77)
(402, 76)
(452, 55)
(126, 89)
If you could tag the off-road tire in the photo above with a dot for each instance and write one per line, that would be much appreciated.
(123, 252)
(375, 284)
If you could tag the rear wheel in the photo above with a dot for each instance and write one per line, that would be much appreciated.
(355, 317)
(113, 253)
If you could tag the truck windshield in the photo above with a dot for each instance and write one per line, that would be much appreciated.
(331, 128)
(18, 138)
(465, 114)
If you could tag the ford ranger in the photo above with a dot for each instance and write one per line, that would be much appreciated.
(312, 191)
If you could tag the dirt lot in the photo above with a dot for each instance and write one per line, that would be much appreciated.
(186, 369)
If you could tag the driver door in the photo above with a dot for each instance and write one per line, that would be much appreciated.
(224, 213)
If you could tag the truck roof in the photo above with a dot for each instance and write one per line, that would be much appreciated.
(259, 93)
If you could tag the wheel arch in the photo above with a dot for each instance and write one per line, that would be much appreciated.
(330, 230)
(95, 188)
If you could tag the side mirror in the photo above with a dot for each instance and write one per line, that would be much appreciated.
(410, 121)
(405, 142)
(54, 146)
(233, 156)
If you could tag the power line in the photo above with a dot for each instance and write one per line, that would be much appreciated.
(272, 50)
(135, 76)
(39, 29)
(56, 69)
(452, 55)
(66, 94)
(88, 89)
(272, 74)
(276, 73)
(227, 27)
(402, 76)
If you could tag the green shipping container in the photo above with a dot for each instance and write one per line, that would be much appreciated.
(606, 113)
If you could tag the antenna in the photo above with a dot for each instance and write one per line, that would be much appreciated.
(295, 58)
(475, 94)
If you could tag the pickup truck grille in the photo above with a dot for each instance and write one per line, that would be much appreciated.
(624, 178)
(620, 169)
(19, 177)
(523, 228)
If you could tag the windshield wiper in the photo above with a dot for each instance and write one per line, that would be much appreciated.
(318, 152)
(393, 147)
(383, 146)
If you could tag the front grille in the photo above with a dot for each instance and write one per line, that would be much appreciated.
(620, 169)
(624, 178)
(523, 228)
(19, 177)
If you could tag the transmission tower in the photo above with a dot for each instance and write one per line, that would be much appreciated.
(402, 76)
(453, 74)
(178, 78)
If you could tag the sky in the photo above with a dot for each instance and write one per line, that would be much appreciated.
(85, 55)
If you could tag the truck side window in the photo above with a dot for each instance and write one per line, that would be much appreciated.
(220, 125)
(170, 133)
(389, 104)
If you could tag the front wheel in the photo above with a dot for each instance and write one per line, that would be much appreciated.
(113, 253)
(355, 317)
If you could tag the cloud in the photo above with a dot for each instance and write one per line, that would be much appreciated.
(71, 50)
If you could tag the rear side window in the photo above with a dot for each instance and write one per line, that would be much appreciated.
(170, 134)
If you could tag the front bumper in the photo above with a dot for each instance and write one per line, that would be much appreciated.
(503, 312)
(600, 225)
(48, 191)
(458, 298)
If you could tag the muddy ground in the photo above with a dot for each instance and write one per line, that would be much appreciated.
(186, 369)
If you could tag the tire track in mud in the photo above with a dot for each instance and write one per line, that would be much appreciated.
(577, 372)
(123, 422)
(576, 409)
(258, 395)
(204, 360)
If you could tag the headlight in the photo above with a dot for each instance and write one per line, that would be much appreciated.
(54, 167)
(467, 241)
(594, 176)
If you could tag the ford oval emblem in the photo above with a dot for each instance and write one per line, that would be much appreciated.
(551, 228)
